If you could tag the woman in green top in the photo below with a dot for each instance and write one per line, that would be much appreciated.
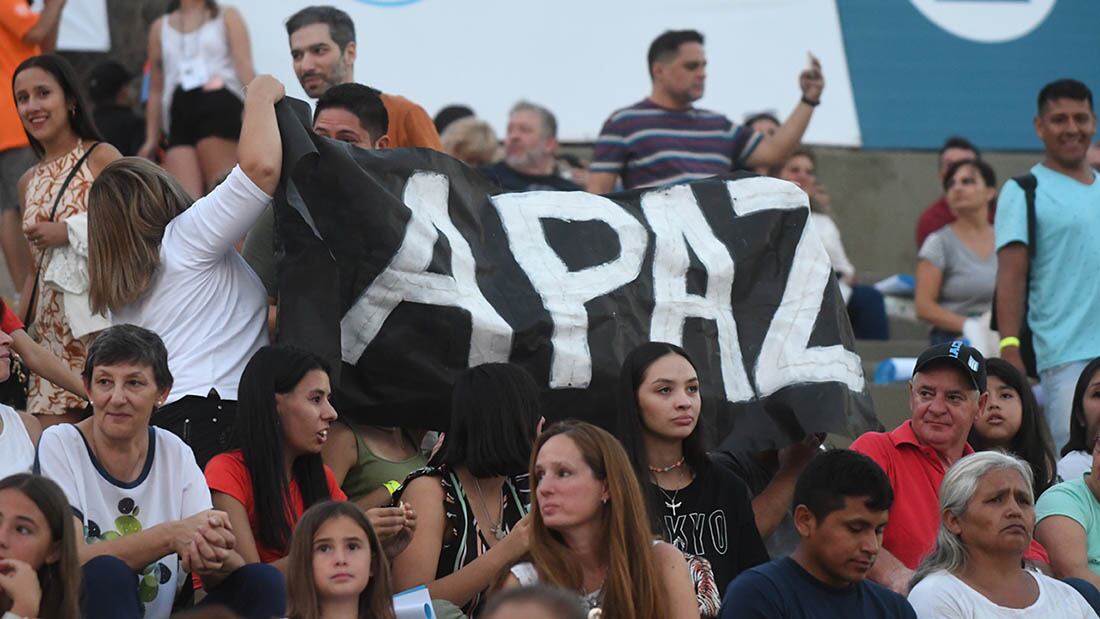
(365, 459)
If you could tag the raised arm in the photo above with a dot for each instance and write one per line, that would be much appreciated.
(774, 150)
(260, 150)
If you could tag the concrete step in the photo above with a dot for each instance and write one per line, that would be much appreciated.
(891, 403)
(906, 329)
(876, 350)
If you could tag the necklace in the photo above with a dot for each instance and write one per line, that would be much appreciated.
(670, 501)
(497, 528)
(665, 469)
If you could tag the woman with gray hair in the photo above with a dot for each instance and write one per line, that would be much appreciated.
(988, 516)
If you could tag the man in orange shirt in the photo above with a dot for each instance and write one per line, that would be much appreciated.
(23, 33)
(322, 45)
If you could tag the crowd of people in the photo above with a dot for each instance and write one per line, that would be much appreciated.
(169, 458)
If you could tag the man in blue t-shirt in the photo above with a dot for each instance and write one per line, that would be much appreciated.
(842, 502)
(1062, 293)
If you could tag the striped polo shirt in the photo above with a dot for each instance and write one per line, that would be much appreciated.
(647, 145)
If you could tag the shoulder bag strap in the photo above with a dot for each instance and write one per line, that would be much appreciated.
(53, 213)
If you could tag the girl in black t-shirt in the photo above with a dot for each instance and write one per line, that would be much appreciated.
(704, 510)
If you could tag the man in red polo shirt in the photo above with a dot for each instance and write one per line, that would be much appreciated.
(946, 395)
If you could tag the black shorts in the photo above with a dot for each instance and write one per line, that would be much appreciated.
(198, 114)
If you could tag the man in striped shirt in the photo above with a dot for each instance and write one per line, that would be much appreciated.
(664, 139)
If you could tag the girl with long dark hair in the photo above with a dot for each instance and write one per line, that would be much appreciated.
(282, 422)
(39, 571)
(59, 126)
(472, 499)
(1013, 422)
(1084, 421)
(337, 567)
(703, 509)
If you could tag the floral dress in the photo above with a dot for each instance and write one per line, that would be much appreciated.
(49, 326)
(462, 540)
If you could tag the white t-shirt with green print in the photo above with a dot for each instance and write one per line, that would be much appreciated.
(170, 487)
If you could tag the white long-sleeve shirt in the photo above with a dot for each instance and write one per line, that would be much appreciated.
(205, 302)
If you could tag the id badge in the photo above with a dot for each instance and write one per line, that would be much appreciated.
(192, 74)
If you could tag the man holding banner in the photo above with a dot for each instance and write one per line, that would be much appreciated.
(664, 139)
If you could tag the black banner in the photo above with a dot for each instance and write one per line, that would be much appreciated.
(404, 267)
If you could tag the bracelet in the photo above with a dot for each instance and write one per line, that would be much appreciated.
(1011, 340)
(392, 486)
(811, 102)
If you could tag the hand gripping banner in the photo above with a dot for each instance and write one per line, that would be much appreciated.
(405, 267)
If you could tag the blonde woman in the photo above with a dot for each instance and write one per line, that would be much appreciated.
(157, 261)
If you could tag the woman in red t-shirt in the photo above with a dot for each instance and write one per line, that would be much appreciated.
(283, 418)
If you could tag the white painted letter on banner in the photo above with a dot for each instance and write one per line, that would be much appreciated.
(678, 223)
(406, 278)
(565, 292)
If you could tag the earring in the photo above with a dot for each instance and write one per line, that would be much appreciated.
(604, 500)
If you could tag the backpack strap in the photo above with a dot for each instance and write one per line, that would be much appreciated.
(1029, 184)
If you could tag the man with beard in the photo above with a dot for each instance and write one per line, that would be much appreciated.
(529, 149)
(322, 47)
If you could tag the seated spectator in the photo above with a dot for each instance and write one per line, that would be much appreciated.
(842, 503)
(589, 532)
(369, 462)
(1084, 424)
(472, 141)
(771, 476)
(39, 571)
(473, 497)
(159, 261)
(1068, 526)
(702, 509)
(866, 306)
(535, 602)
(938, 214)
(337, 567)
(113, 107)
(974, 571)
(957, 265)
(1013, 422)
(946, 394)
(348, 112)
(282, 422)
(138, 498)
(449, 115)
(530, 147)
(19, 432)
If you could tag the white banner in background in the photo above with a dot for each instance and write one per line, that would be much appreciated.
(582, 59)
